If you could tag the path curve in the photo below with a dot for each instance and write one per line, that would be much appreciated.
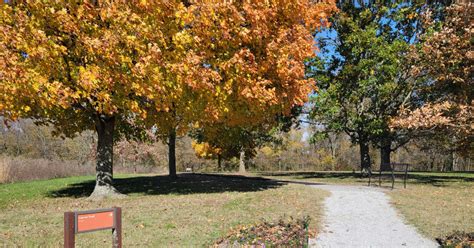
(357, 216)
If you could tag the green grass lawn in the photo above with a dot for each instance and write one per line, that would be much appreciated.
(193, 211)
(436, 203)
(16, 193)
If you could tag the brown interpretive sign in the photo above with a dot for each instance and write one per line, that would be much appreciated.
(93, 220)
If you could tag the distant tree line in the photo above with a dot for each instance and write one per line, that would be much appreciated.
(289, 151)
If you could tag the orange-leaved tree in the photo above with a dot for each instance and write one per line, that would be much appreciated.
(258, 49)
(250, 58)
(102, 65)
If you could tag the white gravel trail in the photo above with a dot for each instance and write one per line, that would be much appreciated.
(357, 216)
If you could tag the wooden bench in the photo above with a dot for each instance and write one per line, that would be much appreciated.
(394, 167)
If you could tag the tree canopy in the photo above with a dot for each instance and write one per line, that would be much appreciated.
(117, 66)
(365, 73)
(447, 98)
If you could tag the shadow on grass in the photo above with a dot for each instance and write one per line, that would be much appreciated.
(309, 174)
(436, 179)
(162, 185)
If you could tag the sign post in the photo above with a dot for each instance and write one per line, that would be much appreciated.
(69, 234)
(93, 220)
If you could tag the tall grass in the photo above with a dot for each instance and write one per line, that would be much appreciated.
(21, 169)
(17, 169)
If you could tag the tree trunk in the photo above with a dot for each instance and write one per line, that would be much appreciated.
(364, 157)
(385, 151)
(104, 168)
(172, 154)
(242, 162)
(279, 163)
(219, 163)
(454, 161)
(18, 145)
(332, 146)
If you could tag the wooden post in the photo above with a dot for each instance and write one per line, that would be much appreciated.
(393, 175)
(69, 232)
(370, 175)
(406, 176)
(380, 177)
(117, 231)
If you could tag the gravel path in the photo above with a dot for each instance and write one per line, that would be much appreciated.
(359, 216)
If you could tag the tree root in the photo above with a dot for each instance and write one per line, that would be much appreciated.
(105, 192)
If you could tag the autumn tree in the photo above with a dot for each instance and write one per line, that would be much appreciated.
(219, 141)
(251, 54)
(258, 49)
(226, 141)
(206, 151)
(447, 98)
(101, 65)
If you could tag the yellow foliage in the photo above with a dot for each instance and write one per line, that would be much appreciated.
(268, 151)
(204, 150)
(145, 59)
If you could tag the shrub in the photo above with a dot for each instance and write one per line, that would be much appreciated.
(21, 169)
